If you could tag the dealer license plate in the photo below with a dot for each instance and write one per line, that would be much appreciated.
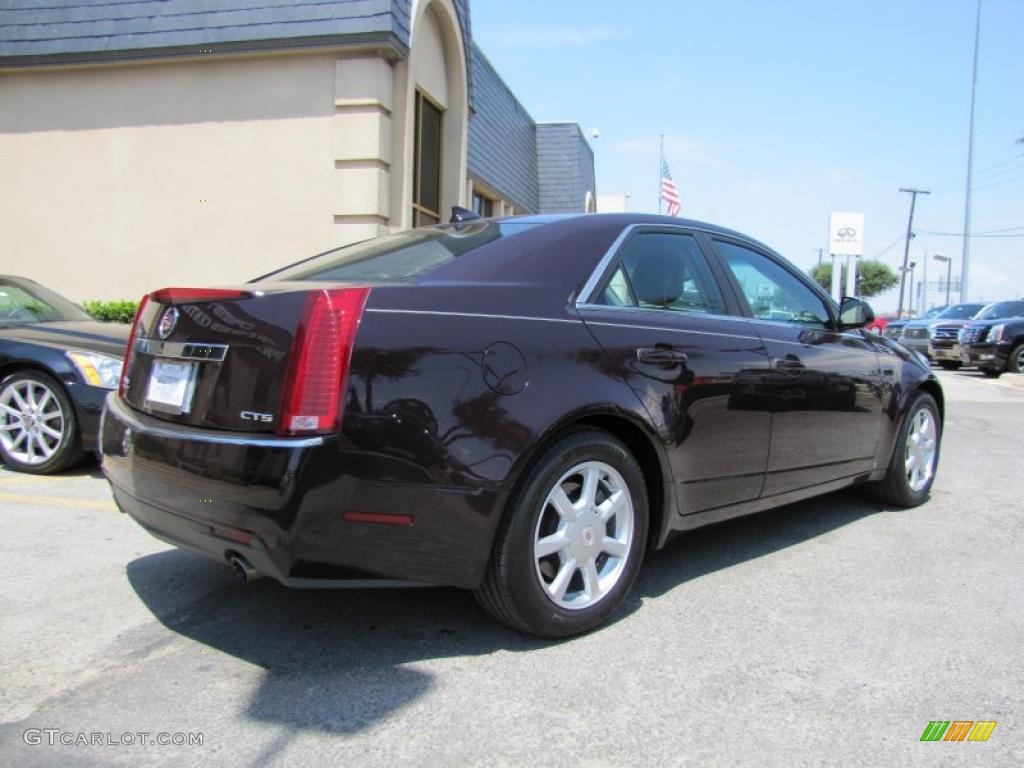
(171, 384)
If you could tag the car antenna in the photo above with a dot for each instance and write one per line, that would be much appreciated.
(460, 215)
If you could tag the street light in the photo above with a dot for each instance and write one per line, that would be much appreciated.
(949, 271)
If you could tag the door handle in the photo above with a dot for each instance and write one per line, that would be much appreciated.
(788, 364)
(661, 353)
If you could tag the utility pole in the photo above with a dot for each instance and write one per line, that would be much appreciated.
(913, 192)
(966, 259)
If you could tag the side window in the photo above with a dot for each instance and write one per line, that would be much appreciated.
(665, 271)
(771, 291)
(617, 293)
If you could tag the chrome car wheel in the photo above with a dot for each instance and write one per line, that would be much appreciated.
(33, 424)
(584, 535)
(919, 461)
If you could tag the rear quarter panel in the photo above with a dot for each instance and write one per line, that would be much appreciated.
(444, 408)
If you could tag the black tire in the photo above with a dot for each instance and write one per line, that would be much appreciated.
(514, 590)
(992, 373)
(67, 449)
(950, 365)
(1015, 362)
(895, 489)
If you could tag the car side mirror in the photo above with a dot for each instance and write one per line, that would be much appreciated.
(854, 313)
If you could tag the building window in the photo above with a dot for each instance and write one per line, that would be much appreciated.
(483, 205)
(426, 169)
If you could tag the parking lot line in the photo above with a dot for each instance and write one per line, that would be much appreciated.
(58, 501)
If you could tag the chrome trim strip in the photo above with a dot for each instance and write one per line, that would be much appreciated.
(587, 291)
(471, 314)
(675, 330)
(193, 434)
(183, 350)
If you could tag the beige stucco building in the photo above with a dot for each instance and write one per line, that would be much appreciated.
(182, 146)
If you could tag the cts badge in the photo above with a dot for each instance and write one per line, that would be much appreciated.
(167, 322)
(264, 418)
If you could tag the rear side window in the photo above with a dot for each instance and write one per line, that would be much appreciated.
(660, 270)
(401, 257)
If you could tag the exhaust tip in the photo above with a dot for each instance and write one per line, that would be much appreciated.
(243, 568)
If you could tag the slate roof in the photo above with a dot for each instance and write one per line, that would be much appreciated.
(565, 167)
(502, 138)
(45, 31)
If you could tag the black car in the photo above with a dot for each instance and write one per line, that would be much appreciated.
(57, 366)
(995, 342)
(521, 407)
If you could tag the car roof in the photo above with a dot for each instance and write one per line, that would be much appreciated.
(626, 219)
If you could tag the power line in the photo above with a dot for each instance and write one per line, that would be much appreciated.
(947, 186)
(972, 234)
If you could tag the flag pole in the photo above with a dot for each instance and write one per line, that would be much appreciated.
(661, 164)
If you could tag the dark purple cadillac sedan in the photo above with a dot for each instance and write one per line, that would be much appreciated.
(521, 407)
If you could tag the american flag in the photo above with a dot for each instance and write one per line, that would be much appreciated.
(669, 192)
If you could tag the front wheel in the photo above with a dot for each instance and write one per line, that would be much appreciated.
(911, 472)
(570, 545)
(992, 373)
(949, 365)
(38, 431)
(1015, 363)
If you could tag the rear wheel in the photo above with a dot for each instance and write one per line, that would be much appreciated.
(38, 430)
(570, 545)
(911, 472)
(992, 373)
(949, 365)
(1015, 363)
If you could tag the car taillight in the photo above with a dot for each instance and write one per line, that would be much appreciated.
(184, 295)
(129, 353)
(320, 359)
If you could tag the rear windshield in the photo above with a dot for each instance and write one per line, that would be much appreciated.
(960, 311)
(1002, 309)
(401, 257)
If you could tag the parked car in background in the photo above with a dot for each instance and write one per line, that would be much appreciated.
(917, 334)
(880, 322)
(944, 337)
(995, 343)
(894, 328)
(57, 366)
(522, 407)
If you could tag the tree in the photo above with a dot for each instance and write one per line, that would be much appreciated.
(873, 277)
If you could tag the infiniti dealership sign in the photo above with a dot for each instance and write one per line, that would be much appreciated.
(846, 234)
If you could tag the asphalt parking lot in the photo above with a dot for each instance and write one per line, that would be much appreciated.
(825, 633)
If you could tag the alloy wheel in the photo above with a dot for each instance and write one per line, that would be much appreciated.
(584, 535)
(32, 421)
(919, 460)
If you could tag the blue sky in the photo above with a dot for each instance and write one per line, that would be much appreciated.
(776, 113)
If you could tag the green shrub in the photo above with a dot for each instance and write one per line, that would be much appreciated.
(111, 311)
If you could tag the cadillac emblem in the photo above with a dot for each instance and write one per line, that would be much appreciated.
(167, 323)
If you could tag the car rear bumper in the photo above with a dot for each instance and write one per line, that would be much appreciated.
(291, 507)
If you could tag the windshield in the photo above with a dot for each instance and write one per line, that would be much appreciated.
(960, 311)
(28, 302)
(1002, 309)
(400, 257)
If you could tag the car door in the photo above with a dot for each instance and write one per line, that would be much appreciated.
(658, 310)
(826, 385)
